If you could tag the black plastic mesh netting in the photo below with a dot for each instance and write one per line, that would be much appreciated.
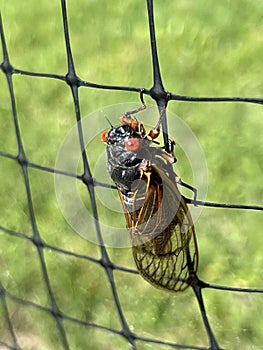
(60, 63)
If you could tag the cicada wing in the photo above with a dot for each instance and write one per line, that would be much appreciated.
(142, 210)
(164, 246)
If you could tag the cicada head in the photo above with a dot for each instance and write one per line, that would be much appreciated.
(126, 153)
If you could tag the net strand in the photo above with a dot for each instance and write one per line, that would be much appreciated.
(105, 261)
(148, 92)
(95, 182)
(7, 318)
(22, 161)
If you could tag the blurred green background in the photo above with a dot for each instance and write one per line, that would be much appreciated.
(206, 48)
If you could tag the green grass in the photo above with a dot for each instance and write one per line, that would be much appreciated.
(206, 49)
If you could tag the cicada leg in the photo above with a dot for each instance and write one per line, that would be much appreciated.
(126, 118)
(137, 110)
(184, 184)
(169, 156)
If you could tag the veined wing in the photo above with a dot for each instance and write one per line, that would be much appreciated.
(162, 232)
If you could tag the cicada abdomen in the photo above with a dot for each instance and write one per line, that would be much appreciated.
(160, 225)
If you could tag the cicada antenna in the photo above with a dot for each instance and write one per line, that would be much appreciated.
(108, 121)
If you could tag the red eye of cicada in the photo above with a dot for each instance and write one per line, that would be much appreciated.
(104, 136)
(132, 144)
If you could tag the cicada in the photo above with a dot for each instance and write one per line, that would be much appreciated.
(161, 229)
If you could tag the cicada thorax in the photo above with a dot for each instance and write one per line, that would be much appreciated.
(159, 222)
